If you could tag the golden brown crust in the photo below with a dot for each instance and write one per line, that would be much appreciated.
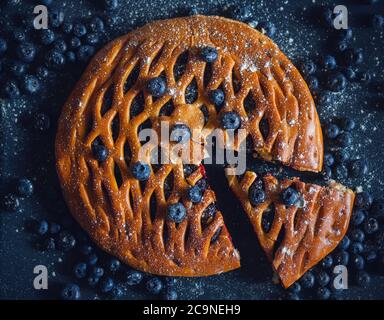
(309, 233)
(117, 216)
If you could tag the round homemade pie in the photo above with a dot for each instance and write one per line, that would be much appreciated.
(198, 73)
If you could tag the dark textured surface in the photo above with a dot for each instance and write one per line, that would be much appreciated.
(25, 152)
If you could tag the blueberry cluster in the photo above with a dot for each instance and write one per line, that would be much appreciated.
(246, 14)
(30, 57)
(361, 251)
(338, 161)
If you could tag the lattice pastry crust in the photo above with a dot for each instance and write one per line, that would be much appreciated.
(110, 104)
(299, 236)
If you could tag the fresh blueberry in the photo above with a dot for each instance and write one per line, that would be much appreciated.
(327, 262)
(85, 52)
(114, 265)
(217, 97)
(350, 73)
(92, 38)
(341, 258)
(377, 208)
(357, 262)
(202, 184)
(92, 259)
(42, 72)
(193, 10)
(49, 244)
(111, 4)
(66, 241)
(11, 90)
(344, 243)
(295, 287)
(354, 56)
(71, 56)
(332, 131)
(370, 256)
(344, 139)
(156, 87)
(356, 247)
(378, 22)
(208, 54)
(75, 43)
(133, 277)
(342, 156)
(180, 133)
(42, 122)
(307, 281)
(42, 227)
(329, 62)
(11, 202)
(170, 281)
(67, 27)
(336, 82)
(363, 200)
(363, 279)
(106, 285)
(313, 83)
(55, 59)
(357, 235)
(325, 98)
(230, 121)
(19, 35)
(241, 13)
(100, 152)
(195, 194)
(93, 280)
(24, 187)
(80, 270)
(291, 296)
(347, 124)
(60, 45)
(56, 18)
(176, 212)
(170, 294)
(342, 45)
(26, 52)
(329, 160)
(46, 2)
(79, 30)
(54, 228)
(308, 67)
(323, 293)
(327, 17)
(323, 278)
(96, 24)
(47, 36)
(359, 168)
(117, 292)
(256, 194)
(371, 225)
(154, 286)
(97, 271)
(70, 292)
(3, 45)
(31, 84)
(17, 68)
(358, 216)
(267, 28)
(290, 196)
(363, 77)
(141, 171)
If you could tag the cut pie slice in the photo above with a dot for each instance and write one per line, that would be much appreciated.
(297, 223)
